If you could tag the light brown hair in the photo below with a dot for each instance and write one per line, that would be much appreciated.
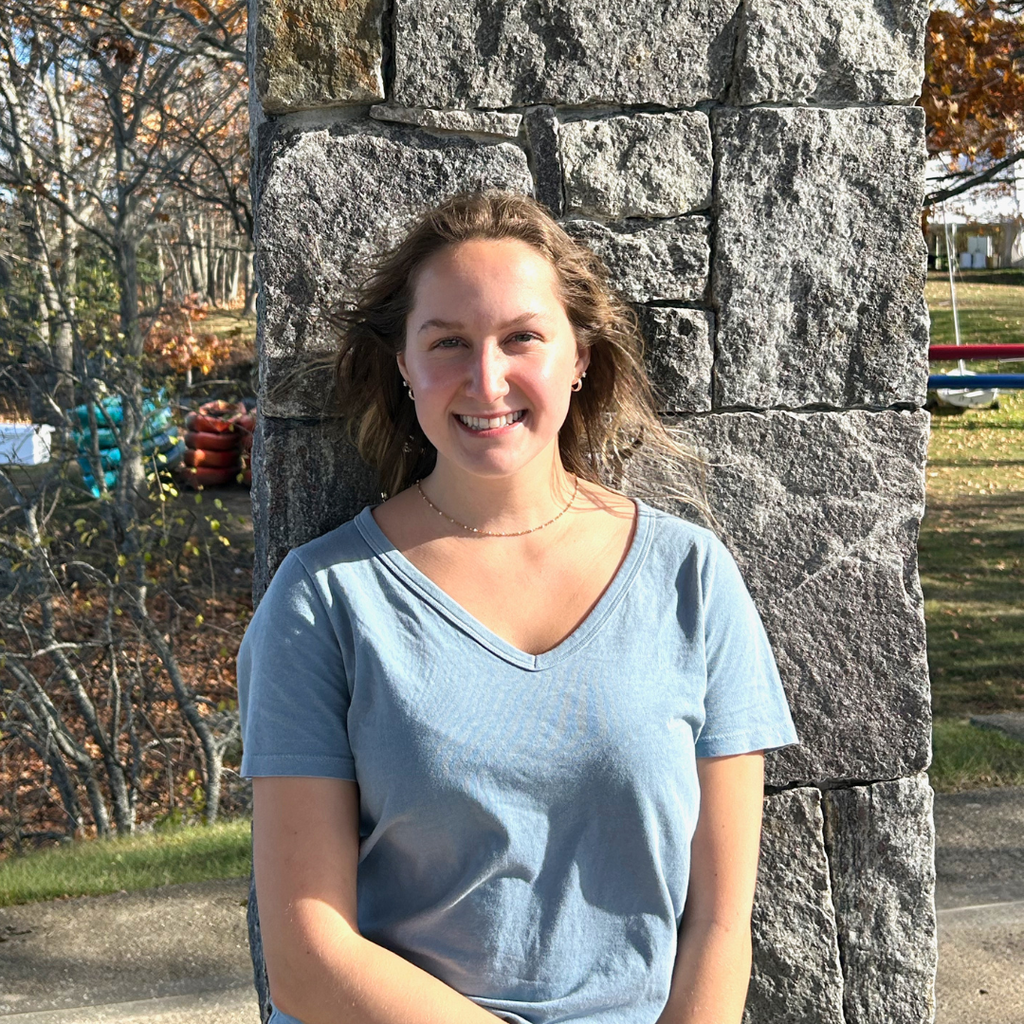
(612, 416)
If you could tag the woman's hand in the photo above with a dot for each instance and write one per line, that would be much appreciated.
(320, 969)
(712, 971)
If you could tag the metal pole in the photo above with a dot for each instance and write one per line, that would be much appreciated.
(950, 259)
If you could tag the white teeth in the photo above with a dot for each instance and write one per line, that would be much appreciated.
(479, 423)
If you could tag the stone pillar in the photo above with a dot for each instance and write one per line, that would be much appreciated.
(752, 173)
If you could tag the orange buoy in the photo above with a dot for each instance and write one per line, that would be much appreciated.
(213, 459)
(207, 476)
(210, 424)
(212, 442)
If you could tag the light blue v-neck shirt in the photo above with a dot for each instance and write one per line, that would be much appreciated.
(525, 819)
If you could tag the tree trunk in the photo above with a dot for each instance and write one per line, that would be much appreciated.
(161, 273)
(222, 279)
(211, 264)
(250, 286)
(179, 283)
(199, 245)
(195, 266)
(64, 338)
(45, 306)
(64, 358)
(236, 267)
(213, 752)
(1011, 252)
(131, 484)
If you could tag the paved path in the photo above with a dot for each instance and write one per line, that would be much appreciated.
(230, 1006)
(179, 954)
(979, 894)
(174, 955)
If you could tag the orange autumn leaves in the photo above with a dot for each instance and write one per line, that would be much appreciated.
(973, 93)
(174, 341)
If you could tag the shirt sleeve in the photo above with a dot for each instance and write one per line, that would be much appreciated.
(745, 706)
(293, 694)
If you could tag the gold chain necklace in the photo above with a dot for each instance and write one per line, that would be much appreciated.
(489, 533)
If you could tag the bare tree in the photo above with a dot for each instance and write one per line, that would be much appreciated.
(156, 72)
(52, 146)
(115, 119)
(71, 688)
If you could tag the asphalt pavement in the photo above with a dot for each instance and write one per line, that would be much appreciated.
(179, 954)
(979, 896)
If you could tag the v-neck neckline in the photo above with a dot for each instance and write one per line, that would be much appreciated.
(427, 589)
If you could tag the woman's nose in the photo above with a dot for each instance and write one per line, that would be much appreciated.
(487, 379)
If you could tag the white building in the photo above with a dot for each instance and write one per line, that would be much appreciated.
(985, 225)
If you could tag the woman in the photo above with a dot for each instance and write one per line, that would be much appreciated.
(505, 729)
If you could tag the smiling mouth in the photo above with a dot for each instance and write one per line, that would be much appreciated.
(491, 423)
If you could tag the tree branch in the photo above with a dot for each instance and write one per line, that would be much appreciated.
(978, 179)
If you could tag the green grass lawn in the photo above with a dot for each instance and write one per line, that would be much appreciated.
(967, 757)
(160, 857)
(990, 305)
(972, 559)
(972, 545)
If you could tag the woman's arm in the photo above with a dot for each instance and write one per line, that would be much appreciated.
(712, 971)
(320, 969)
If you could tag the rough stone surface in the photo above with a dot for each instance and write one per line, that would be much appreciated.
(569, 52)
(542, 134)
(637, 165)
(317, 53)
(881, 842)
(819, 262)
(329, 200)
(307, 479)
(652, 260)
(796, 977)
(822, 512)
(256, 114)
(830, 51)
(461, 122)
(678, 356)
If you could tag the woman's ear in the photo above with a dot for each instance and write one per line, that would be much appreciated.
(401, 365)
(582, 359)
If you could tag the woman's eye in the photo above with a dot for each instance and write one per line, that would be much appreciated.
(524, 336)
(448, 343)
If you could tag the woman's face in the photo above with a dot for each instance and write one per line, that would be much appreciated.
(491, 356)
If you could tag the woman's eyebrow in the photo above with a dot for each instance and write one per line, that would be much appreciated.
(454, 325)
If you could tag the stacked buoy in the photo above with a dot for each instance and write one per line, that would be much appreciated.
(218, 443)
(160, 442)
(213, 444)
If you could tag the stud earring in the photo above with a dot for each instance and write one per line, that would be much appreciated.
(577, 384)
(408, 387)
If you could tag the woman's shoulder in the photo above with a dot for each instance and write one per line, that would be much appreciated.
(338, 551)
(694, 558)
(675, 535)
(664, 540)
